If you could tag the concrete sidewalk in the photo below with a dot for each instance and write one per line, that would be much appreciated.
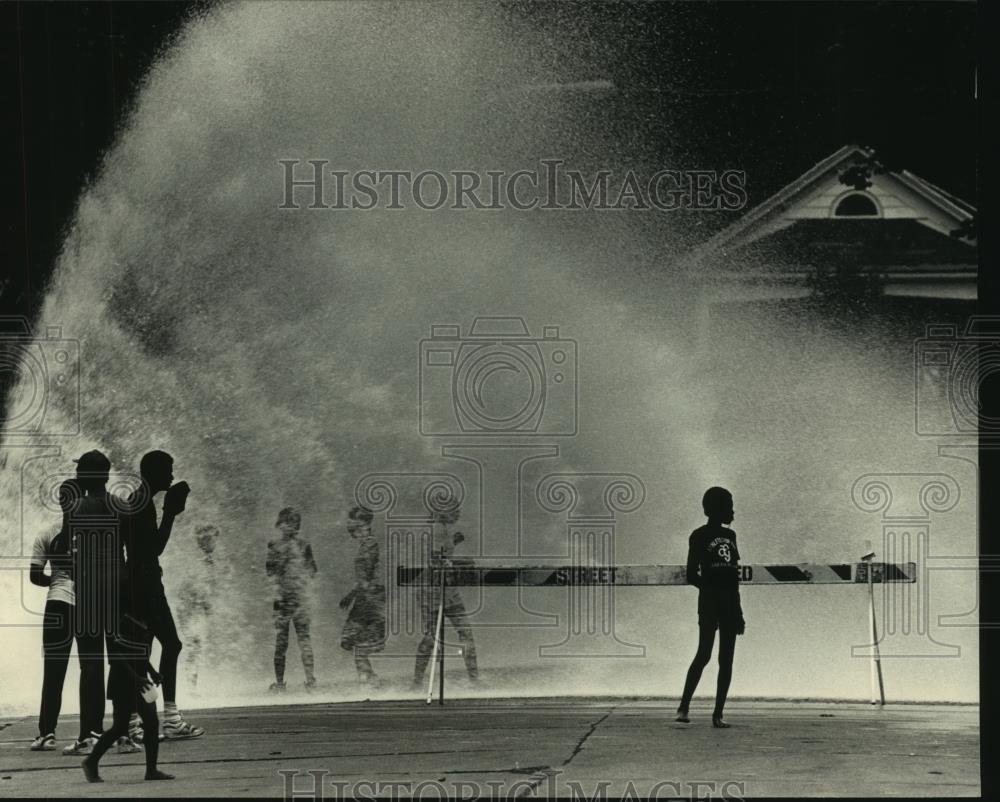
(525, 747)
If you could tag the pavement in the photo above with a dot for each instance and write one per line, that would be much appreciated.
(592, 747)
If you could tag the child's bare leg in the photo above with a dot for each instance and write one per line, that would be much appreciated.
(119, 727)
(150, 723)
(706, 639)
(727, 648)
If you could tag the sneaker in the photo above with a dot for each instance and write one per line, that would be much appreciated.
(126, 746)
(136, 733)
(81, 747)
(44, 743)
(277, 687)
(179, 730)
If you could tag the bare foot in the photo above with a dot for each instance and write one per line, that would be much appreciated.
(90, 771)
(158, 775)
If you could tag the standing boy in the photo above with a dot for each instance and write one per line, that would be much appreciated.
(443, 544)
(713, 567)
(364, 630)
(145, 541)
(96, 563)
(58, 630)
(196, 597)
(291, 565)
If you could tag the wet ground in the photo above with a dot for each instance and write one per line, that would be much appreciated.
(525, 747)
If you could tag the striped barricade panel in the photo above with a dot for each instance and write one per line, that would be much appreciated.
(653, 575)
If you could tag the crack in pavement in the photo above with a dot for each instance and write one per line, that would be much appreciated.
(533, 786)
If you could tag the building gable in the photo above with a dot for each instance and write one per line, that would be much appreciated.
(847, 215)
(817, 193)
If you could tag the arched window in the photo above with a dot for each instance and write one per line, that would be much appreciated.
(856, 205)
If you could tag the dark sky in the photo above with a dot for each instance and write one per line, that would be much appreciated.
(69, 71)
(757, 81)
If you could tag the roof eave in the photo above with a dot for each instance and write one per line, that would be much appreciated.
(779, 198)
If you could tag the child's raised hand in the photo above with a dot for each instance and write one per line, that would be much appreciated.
(176, 498)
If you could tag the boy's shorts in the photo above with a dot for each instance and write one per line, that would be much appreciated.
(719, 610)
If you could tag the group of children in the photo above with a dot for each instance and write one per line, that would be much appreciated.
(290, 563)
(712, 567)
(105, 590)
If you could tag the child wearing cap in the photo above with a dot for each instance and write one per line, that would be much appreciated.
(290, 563)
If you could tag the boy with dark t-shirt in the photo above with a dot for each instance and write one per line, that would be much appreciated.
(713, 567)
(145, 541)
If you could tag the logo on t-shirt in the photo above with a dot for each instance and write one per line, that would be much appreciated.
(722, 547)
